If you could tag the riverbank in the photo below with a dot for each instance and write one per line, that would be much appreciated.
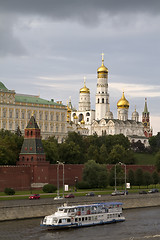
(23, 209)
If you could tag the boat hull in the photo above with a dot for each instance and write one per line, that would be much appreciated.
(78, 225)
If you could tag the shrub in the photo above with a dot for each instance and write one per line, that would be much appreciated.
(9, 191)
(49, 188)
(83, 185)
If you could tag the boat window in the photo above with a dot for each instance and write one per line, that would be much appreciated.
(89, 218)
(60, 209)
(82, 218)
(68, 219)
(71, 210)
(54, 220)
(60, 220)
(76, 219)
(79, 219)
(85, 218)
(65, 210)
(63, 220)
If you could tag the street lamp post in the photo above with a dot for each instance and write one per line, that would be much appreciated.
(125, 175)
(60, 163)
(57, 178)
(115, 180)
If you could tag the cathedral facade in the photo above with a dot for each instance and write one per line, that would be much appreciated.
(101, 121)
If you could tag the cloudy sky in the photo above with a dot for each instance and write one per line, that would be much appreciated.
(47, 47)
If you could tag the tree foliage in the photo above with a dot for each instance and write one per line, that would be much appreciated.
(131, 177)
(76, 149)
(95, 174)
(147, 178)
(10, 146)
(158, 161)
(155, 178)
(139, 177)
(154, 142)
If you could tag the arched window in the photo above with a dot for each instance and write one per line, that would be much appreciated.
(87, 114)
(80, 117)
(102, 100)
(98, 100)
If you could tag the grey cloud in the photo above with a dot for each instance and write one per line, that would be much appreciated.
(82, 10)
(9, 44)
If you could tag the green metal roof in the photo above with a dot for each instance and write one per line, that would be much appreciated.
(145, 107)
(2, 87)
(34, 99)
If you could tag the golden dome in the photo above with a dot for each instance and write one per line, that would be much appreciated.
(84, 89)
(82, 122)
(75, 117)
(123, 103)
(102, 70)
(68, 110)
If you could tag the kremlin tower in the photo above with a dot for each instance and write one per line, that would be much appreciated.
(146, 121)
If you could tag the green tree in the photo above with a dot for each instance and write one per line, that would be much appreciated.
(147, 178)
(117, 154)
(112, 177)
(10, 147)
(158, 161)
(103, 154)
(154, 142)
(51, 150)
(131, 177)
(95, 174)
(139, 177)
(71, 153)
(155, 178)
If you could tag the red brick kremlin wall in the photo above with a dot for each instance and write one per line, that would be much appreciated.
(21, 177)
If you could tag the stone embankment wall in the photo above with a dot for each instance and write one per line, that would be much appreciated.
(11, 210)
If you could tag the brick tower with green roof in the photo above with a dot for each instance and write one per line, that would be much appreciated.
(32, 152)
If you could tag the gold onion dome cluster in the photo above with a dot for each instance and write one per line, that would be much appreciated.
(123, 103)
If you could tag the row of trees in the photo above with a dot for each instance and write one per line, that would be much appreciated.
(78, 149)
(97, 176)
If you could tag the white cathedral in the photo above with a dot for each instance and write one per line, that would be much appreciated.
(101, 121)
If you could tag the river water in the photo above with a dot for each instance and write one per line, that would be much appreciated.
(141, 223)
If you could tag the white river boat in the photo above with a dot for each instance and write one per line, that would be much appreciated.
(84, 215)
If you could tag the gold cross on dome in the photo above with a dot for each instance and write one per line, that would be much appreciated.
(102, 54)
(84, 80)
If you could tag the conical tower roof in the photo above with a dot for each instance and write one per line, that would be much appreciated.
(145, 107)
(32, 123)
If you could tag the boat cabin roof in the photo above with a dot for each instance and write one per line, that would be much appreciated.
(106, 204)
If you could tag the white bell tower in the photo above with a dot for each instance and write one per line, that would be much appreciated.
(102, 96)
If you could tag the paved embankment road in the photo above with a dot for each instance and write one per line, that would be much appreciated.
(20, 209)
